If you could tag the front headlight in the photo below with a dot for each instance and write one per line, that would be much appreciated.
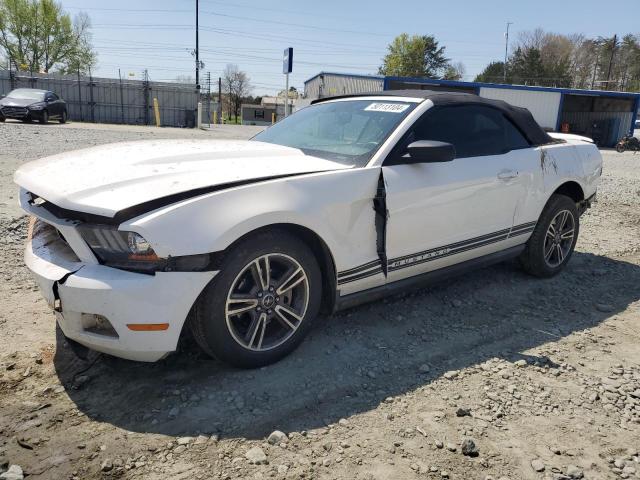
(119, 249)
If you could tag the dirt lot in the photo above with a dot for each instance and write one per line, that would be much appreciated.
(495, 375)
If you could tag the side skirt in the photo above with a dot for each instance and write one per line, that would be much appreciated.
(425, 279)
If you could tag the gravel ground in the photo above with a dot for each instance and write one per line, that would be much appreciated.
(495, 375)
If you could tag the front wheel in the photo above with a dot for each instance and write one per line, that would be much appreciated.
(620, 148)
(553, 240)
(262, 303)
(45, 117)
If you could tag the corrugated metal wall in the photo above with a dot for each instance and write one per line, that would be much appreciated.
(328, 85)
(107, 100)
(544, 106)
(606, 128)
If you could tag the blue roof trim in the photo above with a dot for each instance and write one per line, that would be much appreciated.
(356, 75)
(454, 83)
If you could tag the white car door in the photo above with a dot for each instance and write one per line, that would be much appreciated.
(440, 214)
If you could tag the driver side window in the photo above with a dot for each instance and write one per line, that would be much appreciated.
(474, 130)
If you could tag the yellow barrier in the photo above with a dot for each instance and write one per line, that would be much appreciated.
(156, 108)
(273, 118)
(215, 117)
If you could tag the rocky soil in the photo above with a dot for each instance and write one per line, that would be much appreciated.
(495, 375)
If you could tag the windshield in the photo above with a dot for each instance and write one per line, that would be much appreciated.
(26, 94)
(349, 131)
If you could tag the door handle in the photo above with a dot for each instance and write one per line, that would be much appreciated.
(507, 175)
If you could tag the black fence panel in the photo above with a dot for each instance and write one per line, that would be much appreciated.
(112, 100)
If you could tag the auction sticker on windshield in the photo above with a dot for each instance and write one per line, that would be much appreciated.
(387, 107)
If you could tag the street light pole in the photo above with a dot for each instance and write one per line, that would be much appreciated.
(506, 52)
(197, 51)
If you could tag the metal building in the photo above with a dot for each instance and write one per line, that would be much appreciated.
(602, 115)
(326, 84)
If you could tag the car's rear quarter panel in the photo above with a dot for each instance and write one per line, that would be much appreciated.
(557, 164)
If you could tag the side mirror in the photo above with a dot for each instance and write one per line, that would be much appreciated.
(430, 151)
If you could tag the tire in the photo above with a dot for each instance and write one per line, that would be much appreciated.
(263, 311)
(536, 259)
(2, 119)
(620, 148)
(63, 117)
(45, 117)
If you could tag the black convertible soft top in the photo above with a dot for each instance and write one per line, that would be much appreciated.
(521, 117)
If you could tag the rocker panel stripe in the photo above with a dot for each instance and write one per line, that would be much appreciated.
(373, 268)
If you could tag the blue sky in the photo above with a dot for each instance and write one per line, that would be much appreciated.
(333, 35)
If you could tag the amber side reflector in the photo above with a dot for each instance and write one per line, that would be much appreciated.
(147, 327)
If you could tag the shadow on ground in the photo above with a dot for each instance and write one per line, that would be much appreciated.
(352, 361)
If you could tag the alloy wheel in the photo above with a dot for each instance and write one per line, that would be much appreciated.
(559, 238)
(267, 302)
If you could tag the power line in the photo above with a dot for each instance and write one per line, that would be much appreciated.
(260, 20)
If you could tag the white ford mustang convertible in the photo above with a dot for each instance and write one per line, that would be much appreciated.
(245, 242)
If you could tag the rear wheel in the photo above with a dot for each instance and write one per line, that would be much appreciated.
(63, 117)
(262, 303)
(554, 238)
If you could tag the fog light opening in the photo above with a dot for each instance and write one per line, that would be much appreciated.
(99, 325)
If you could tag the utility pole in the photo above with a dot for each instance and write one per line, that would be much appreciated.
(208, 98)
(506, 52)
(220, 99)
(197, 51)
(613, 53)
(121, 99)
(595, 70)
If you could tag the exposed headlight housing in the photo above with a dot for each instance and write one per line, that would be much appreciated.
(138, 245)
(121, 249)
(37, 106)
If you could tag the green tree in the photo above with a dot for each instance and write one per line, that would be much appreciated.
(293, 93)
(493, 73)
(556, 60)
(415, 56)
(527, 67)
(37, 35)
(454, 71)
(628, 65)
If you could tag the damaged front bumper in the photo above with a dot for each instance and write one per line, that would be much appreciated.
(95, 304)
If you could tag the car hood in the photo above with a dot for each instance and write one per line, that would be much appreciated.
(17, 102)
(107, 179)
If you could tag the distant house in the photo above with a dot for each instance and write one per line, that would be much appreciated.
(257, 114)
(270, 110)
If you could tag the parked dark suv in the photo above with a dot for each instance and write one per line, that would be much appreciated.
(29, 104)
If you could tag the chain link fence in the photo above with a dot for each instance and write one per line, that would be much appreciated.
(109, 100)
